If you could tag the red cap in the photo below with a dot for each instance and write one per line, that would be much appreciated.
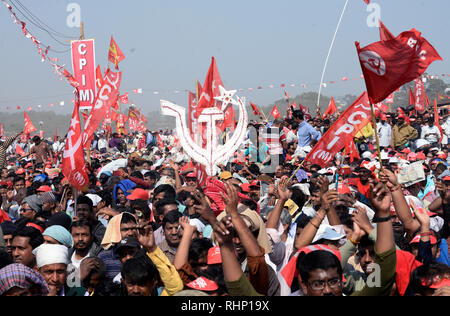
(421, 156)
(255, 183)
(138, 194)
(416, 240)
(245, 187)
(203, 284)
(412, 157)
(437, 283)
(406, 151)
(343, 189)
(447, 178)
(28, 165)
(20, 171)
(45, 188)
(214, 256)
(191, 175)
(442, 156)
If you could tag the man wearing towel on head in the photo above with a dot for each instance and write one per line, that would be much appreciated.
(52, 261)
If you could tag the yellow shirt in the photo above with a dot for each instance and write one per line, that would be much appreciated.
(169, 275)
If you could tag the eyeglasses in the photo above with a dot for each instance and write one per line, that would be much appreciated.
(319, 285)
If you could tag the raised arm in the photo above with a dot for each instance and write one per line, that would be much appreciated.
(182, 255)
(274, 216)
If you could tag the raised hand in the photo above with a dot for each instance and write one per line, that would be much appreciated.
(422, 216)
(187, 227)
(389, 179)
(380, 198)
(361, 219)
(327, 199)
(146, 238)
(283, 193)
(222, 231)
(231, 199)
(323, 183)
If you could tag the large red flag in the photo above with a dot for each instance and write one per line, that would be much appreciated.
(385, 34)
(352, 151)
(107, 96)
(275, 112)
(387, 65)
(73, 163)
(341, 133)
(210, 89)
(332, 108)
(29, 127)
(115, 55)
(420, 96)
(436, 120)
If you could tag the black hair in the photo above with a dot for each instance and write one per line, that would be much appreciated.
(426, 273)
(159, 207)
(313, 188)
(215, 273)
(142, 206)
(298, 114)
(152, 174)
(32, 233)
(172, 217)
(319, 259)
(81, 223)
(254, 169)
(128, 218)
(198, 248)
(100, 268)
(137, 174)
(250, 204)
(302, 220)
(298, 197)
(82, 199)
(139, 270)
(169, 191)
(106, 197)
(5, 259)
(346, 218)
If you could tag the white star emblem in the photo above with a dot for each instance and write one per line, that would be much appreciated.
(226, 97)
(73, 123)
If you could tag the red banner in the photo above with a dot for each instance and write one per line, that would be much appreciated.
(341, 132)
(29, 127)
(107, 96)
(420, 96)
(73, 163)
(84, 72)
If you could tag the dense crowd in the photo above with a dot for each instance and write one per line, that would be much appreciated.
(270, 223)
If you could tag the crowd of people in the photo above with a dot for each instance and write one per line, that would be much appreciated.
(270, 223)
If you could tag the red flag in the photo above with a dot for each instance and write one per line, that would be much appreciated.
(356, 116)
(124, 98)
(427, 101)
(367, 1)
(286, 95)
(19, 150)
(29, 127)
(275, 112)
(412, 100)
(210, 89)
(403, 114)
(159, 141)
(436, 120)
(390, 98)
(114, 116)
(420, 96)
(73, 163)
(352, 151)
(115, 55)
(294, 105)
(332, 108)
(99, 78)
(387, 65)
(385, 34)
(143, 118)
(107, 96)
(255, 109)
(56, 133)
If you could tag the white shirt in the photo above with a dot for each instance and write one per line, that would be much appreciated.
(102, 143)
(431, 134)
(384, 133)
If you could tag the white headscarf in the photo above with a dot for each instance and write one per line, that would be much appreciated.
(51, 254)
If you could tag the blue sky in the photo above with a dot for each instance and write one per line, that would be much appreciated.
(169, 43)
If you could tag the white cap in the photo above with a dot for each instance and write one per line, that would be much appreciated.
(327, 232)
(51, 254)
(421, 143)
(94, 198)
(393, 160)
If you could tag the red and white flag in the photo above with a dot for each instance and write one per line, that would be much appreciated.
(387, 65)
(255, 109)
(115, 55)
(73, 163)
(107, 96)
(341, 133)
(412, 99)
(275, 112)
(29, 127)
(420, 96)
(124, 98)
(390, 99)
(19, 150)
(210, 89)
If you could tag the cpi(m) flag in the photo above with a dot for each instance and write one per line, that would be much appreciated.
(73, 163)
(255, 109)
(420, 96)
(106, 96)
(332, 108)
(115, 55)
(275, 112)
(124, 98)
(387, 65)
(210, 89)
(341, 132)
(29, 127)
(412, 99)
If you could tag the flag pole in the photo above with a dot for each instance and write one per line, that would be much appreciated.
(329, 53)
(376, 135)
(295, 172)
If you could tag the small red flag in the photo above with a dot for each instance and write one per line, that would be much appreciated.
(29, 127)
(387, 65)
(124, 98)
(19, 150)
(332, 108)
(115, 55)
(255, 109)
(276, 113)
(412, 100)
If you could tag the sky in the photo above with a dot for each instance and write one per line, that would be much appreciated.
(168, 45)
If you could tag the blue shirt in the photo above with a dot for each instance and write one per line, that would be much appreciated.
(306, 133)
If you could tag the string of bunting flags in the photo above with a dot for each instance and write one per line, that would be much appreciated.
(124, 98)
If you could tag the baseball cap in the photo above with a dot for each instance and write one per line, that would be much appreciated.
(203, 284)
(416, 240)
(214, 256)
(20, 171)
(327, 232)
(130, 242)
(343, 189)
(138, 194)
(44, 188)
(245, 187)
(255, 183)
(225, 175)
(191, 175)
(412, 157)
